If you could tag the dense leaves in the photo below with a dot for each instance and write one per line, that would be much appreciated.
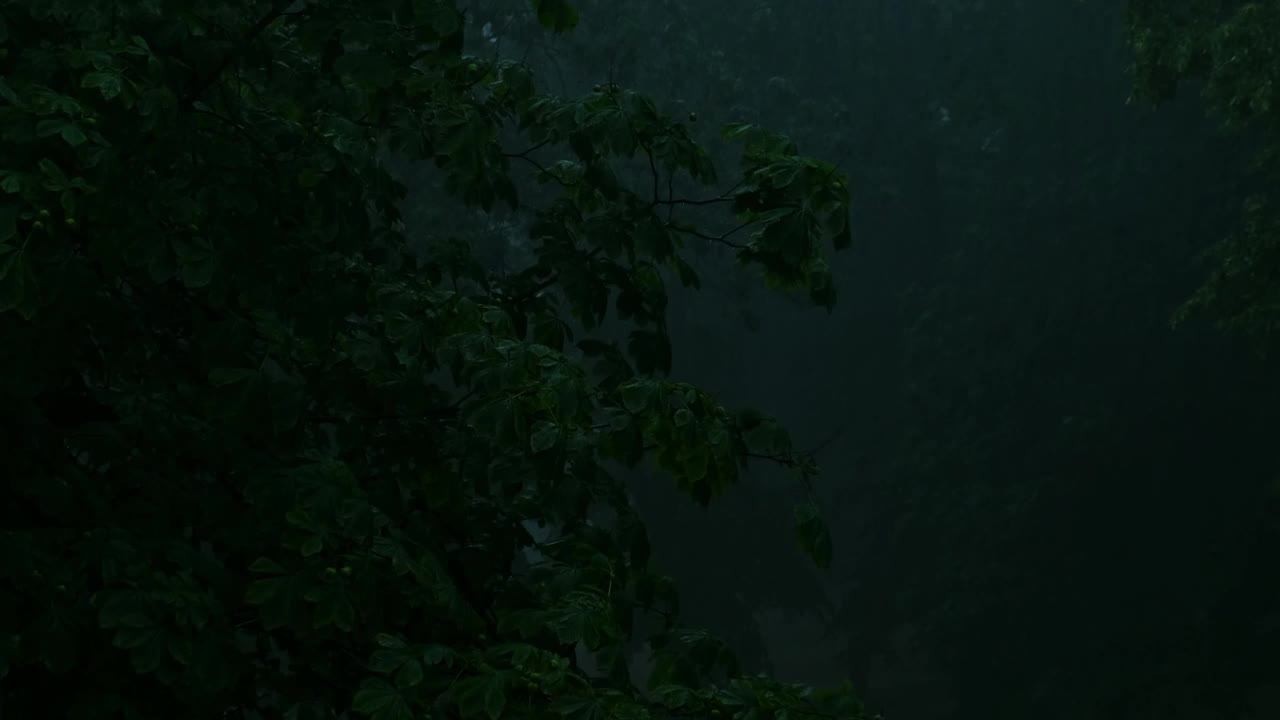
(264, 459)
(1231, 48)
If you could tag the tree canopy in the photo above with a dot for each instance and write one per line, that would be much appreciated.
(268, 455)
(1230, 51)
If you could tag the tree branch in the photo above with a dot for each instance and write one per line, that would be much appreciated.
(277, 9)
(722, 239)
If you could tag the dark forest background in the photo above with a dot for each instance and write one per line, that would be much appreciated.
(294, 418)
(1046, 501)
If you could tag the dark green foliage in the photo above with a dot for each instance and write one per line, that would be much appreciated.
(262, 459)
(1233, 49)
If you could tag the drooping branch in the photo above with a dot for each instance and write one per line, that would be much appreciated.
(540, 167)
(726, 196)
(723, 238)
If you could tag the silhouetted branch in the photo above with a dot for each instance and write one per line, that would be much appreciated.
(722, 239)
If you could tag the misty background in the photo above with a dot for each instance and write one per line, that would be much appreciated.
(1046, 502)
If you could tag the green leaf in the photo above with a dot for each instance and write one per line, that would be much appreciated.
(380, 700)
(263, 591)
(437, 654)
(544, 436)
(389, 660)
(389, 641)
(149, 654)
(688, 277)
(129, 638)
(636, 396)
(180, 649)
(311, 546)
(17, 282)
(696, 462)
(122, 609)
(47, 127)
(73, 135)
(310, 177)
(556, 15)
(482, 695)
(445, 18)
(138, 46)
(673, 696)
(245, 304)
(55, 179)
(495, 698)
(107, 83)
(333, 608)
(219, 377)
(7, 93)
(410, 675)
(813, 534)
(299, 518)
(266, 566)
(370, 67)
(587, 707)
(836, 223)
(196, 259)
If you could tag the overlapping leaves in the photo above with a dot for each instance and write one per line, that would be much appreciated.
(267, 461)
(1231, 47)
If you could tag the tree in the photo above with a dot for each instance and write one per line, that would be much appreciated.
(1230, 49)
(263, 459)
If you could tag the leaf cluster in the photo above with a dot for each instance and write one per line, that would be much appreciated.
(1231, 48)
(264, 459)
